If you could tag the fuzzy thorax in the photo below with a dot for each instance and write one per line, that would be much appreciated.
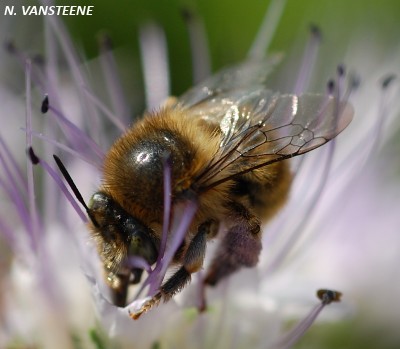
(133, 168)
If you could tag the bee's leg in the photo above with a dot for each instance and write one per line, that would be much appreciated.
(119, 289)
(240, 247)
(119, 285)
(192, 262)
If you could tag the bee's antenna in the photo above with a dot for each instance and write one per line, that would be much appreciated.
(74, 188)
(70, 182)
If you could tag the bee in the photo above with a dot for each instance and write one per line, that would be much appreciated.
(226, 140)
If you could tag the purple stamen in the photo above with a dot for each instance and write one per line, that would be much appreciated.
(167, 206)
(15, 197)
(31, 186)
(113, 84)
(21, 57)
(341, 81)
(15, 168)
(308, 61)
(64, 147)
(301, 328)
(349, 85)
(71, 56)
(267, 31)
(198, 46)
(156, 276)
(295, 234)
(138, 262)
(183, 220)
(11, 187)
(372, 137)
(7, 233)
(107, 112)
(178, 236)
(383, 112)
(154, 53)
(77, 137)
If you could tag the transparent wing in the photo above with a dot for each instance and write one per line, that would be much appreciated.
(260, 127)
(238, 77)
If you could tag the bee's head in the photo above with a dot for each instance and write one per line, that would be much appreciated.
(120, 236)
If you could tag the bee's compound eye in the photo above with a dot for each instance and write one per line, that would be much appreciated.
(142, 245)
(136, 243)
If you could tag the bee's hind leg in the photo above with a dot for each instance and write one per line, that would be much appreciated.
(240, 247)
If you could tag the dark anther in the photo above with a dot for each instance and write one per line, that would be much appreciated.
(45, 105)
(39, 60)
(32, 156)
(341, 70)
(315, 31)
(187, 14)
(105, 41)
(10, 46)
(386, 81)
(355, 81)
(331, 86)
(329, 296)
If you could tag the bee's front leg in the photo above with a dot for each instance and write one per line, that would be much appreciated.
(240, 247)
(192, 262)
(119, 288)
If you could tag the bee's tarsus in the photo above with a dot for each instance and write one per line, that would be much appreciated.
(154, 301)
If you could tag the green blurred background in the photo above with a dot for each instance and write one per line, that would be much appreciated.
(232, 25)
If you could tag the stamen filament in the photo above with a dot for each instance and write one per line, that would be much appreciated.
(266, 32)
